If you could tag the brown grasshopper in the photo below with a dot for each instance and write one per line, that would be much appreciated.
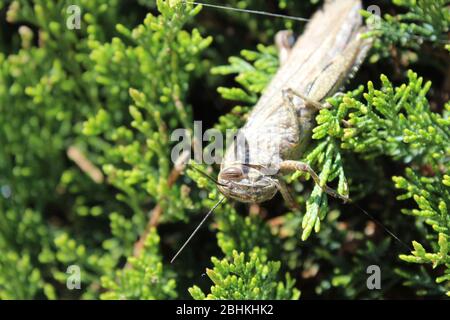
(279, 127)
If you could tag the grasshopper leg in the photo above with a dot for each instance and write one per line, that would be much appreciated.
(291, 93)
(287, 195)
(284, 41)
(292, 166)
(327, 105)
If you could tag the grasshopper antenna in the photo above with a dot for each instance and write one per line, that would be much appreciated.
(263, 13)
(196, 229)
(389, 232)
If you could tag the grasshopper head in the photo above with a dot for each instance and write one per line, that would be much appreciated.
(246, 184)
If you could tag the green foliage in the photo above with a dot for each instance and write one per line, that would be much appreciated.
(394, 121)
(432, 197)
(253, 278)
(93, 73)
(254, 72)
(425, 20)
(243, 233)
(398, 122)
(144, 279)
(19, 279)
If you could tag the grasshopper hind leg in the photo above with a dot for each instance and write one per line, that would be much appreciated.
(287, 195)
(308, 103)
(292, 166)
(289, 94)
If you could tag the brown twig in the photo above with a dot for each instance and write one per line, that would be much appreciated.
(156, 213)
(75, 154)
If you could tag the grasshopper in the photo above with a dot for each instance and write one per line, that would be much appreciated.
(279, 127)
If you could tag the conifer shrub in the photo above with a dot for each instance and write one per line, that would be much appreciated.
(89, 191)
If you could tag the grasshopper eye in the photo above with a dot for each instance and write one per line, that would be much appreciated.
(231, 173)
